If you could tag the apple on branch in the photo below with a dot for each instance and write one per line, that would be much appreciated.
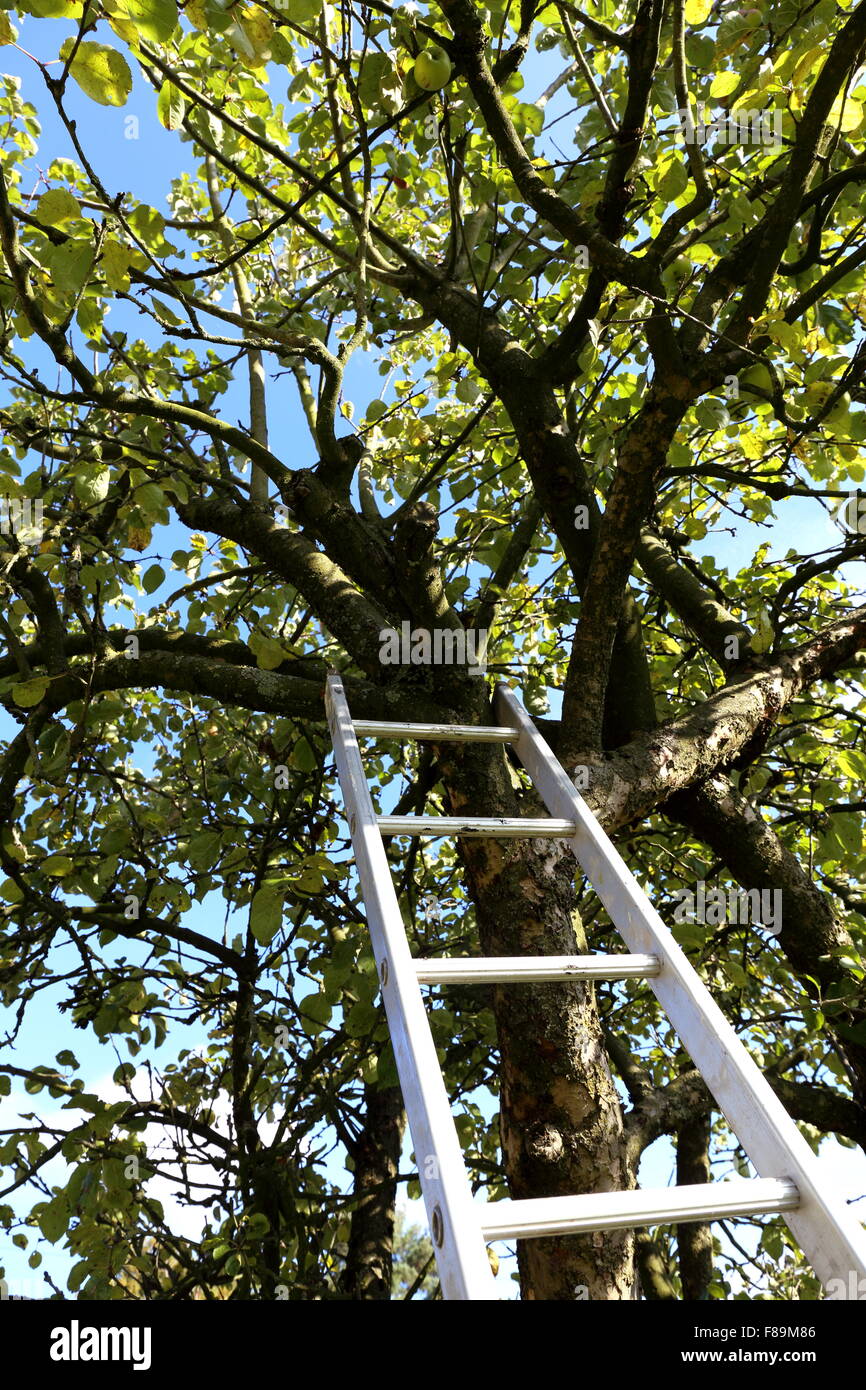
(432, 68)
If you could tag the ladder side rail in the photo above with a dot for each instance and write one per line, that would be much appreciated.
(831, 1237)
(461, 1254)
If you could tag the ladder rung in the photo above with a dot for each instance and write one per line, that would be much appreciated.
(498, 827)
(443, 733)
(496, 970)
(605, 1211)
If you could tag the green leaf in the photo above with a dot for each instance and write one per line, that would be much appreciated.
(53, 1219)
(150, 498)
(7, 33)
(266, 914)
(92, 486)
(673, 182)
(203, 849)
(57, 866)
(10, 892)
(156, 19)
(165, 315)
(269, 654)
(100, 71)
(170, 106)
(360, 1019)
(153, 578)
(305, 12)
(26, 694)
(315, 1010)
(304, 757)
(530, 117)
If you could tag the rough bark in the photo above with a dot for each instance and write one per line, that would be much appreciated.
(694, 1238)
(376, 1156)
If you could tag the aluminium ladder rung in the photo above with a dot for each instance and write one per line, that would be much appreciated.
(495, 827)
(607, 1211)
(442, 733)
(503, 970)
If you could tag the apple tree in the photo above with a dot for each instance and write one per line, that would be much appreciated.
(531, 321)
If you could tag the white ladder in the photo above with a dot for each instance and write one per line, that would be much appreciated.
(791, 1180)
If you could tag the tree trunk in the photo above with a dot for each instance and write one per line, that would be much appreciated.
(376, 1157)
(560, 1116)
(694, 1238)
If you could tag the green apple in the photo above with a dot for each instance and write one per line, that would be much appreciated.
(758, 376)
(432, 68)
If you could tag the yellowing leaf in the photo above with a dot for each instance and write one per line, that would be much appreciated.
(724, 83)
(806, 65)
(138, 538)
(70, 264)
(7, 33)
(698, 11)
(114, 261)
(764, 635)
(26, 694)
(57, 206)
(259, 33)
(100, 71)
(126, 30)
(55, 9)
(170, 106)
(845, 116)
